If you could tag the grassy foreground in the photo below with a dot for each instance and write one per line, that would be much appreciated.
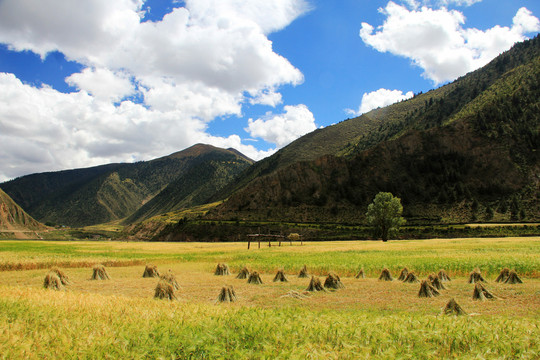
(119, 319)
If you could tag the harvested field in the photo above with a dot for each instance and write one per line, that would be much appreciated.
(325, 324)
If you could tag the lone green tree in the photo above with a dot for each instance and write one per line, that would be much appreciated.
(384, 214)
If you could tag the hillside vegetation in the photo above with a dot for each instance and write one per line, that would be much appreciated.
(101, 194)
(13, 217)
(465, 152)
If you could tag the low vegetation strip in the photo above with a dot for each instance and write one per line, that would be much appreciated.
(117, 327)
(456, 256)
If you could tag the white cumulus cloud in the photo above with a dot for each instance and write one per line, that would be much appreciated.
(200, 61)
(281, 129)
(379, 98)
(437, 41)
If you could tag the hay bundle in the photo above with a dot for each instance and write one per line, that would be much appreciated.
(303, 272)
(315, 285)
(481, 293)
(52, 281)
(243, 274)
(333, 282)
(222, 269)
(280, 276)
(164, 290)
(171, 279)
(150, 271)
(385, 275)
(403, 274)
(254, 278)
(437, 283)
(453, 308)
(295, 295)
(426, 290)
(63, 277)
(411, 278)
(475, 277)
(503, 275)
(443, 276)
(513, 278)
(99, 273)
(360, 274)
(227, 294)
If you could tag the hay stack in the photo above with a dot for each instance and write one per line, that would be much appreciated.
(52, 281)
(411, 278)
(227, 294)
(475, 277)
(164, 290)
(150, 271)
(360, 274)
(426, 290)
(243, 274)
(315, 285)
(385, 275)
(443, 276)
(303, 272)
(280, 276)
(63, 277)
(503, 275)
(333, 282)
(403, 274)
(171, 279)
(99, 273)
(481, 293)
(513, 278)
(453, 308)
(437, 283)
(222, 269)
(295, 295)
(254, 278)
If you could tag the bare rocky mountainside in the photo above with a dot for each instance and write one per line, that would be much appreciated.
(14, 219)
(110, 192)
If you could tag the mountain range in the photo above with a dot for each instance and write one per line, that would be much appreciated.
(14, 220)
(466, 151)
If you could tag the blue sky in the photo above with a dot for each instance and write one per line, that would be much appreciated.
(87, 83)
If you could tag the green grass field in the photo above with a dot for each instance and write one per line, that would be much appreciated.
(119, 318)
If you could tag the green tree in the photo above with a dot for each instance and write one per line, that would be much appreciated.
(384, 214)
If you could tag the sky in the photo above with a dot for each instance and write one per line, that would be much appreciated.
(84, 83)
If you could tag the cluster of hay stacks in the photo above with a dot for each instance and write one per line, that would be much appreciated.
(453, 308)
(100, 273)
(56, 279)
(150, 271)
(411, 278)
(243, 274)
(280, 276)
(426, 290)
(227, 295)
(254, 278)
(436, 282)
(361, 274)
(508, 276)
(475, 276)
(315, 284)
(481, 293)
(303, 272)
(333, 282)
(403, 274)
(385, 275)
(164, 290)
(171, 279)
(443, 276)
(222, 269)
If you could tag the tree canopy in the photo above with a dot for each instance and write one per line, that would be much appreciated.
(384, 214)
